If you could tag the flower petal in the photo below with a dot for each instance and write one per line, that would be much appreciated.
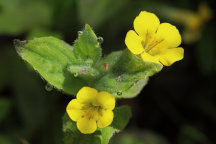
(74, 110)
(105, 118)
(171, 56)
(146, 23)
(147, 57)
(106, 100)
(86, 126)
(86, 95)
(168, 35)
(75, 114)
(134, 42)
(74, 104)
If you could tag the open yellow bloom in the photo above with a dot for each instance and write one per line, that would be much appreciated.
(91, 109)
(153, 41)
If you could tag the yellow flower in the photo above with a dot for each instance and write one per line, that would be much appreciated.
(91, 109)
(153, 41)
(194, 22)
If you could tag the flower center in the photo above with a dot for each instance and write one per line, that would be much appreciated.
(150, 43)
(92, 111)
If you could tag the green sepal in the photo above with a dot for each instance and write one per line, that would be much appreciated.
(72, 135)
(87, 48)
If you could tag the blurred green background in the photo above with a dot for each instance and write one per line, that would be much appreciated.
(178, 106)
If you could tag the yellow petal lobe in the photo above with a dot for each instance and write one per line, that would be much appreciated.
(171, 56)
(106, 100)
(86, 126)
(105, 118)
(146, 23)
(86, 95)
(74, 104)
(147, 57)
(134, 42)
(75, 114)
(168, 35)
(74, 110)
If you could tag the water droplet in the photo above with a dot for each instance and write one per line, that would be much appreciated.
(49, 87)
(119, 93)
(80, 32)
(76, 74)
(100, 40)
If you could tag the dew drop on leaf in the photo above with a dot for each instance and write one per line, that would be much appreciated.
(80, 32)
(119, 93)
(49, 87)
(100, 40)
(76, 75)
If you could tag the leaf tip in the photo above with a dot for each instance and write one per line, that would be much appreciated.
(19, 45)
(87, 26)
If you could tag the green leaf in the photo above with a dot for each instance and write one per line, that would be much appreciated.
(130, 63)
(125, 75)
(86, 48)
(122, 86)
(65, 67)
(106, 64)
(85, 72)
(69, 68)
(50, 57)
(87, 51)
(122, 114)
(72, 135)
